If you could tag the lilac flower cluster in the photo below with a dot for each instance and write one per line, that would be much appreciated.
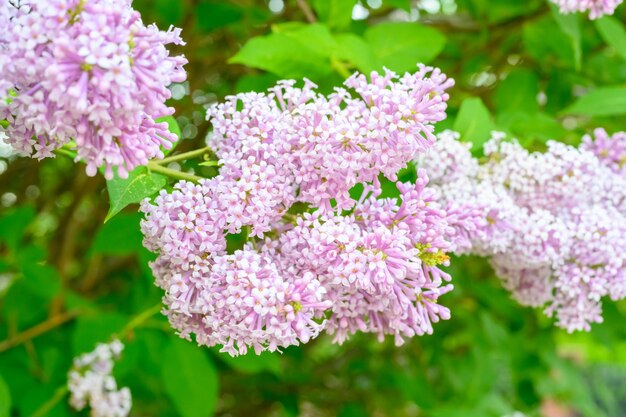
(86, 72)
(596, 8)
(92, 384)
(337, 264)
(553, 224)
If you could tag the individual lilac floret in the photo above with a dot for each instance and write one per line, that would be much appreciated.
(92, 384)
(553, 224)
(596, 8)
(89, 74)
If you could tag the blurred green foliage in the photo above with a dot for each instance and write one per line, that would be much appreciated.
(68, 280)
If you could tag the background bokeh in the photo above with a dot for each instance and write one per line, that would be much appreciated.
(69, 280)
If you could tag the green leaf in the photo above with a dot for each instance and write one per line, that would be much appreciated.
(140, 184)
(545, 41)
(97, 328)
(251, 363)
(356, 51)
(401, 46)
(604, 101)
(535, 127)
(213, 15)
(614, 34)
(293, 51)
(337, 14)
(13, 223)
(43, 280)
(189, 378)
(121, 236)
(474, 123)
(517, 93)
(570, 25)
(5, 399)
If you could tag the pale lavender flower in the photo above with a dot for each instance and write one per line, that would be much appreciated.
(554, 224)
(89, 74)
(596, 8)
(92, 384)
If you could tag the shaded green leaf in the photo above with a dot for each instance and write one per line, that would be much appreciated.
(13, 223)
(474, 123)
(517, 93)
(251, 363)
(337, 14)
(290, 52)
(355, 50)
(121, 236)
(97, 328)
(5, 399)
(189, 378)
(140, 184)
(569, 23)
(401, 46)
(614, 34)
(604, 101)
(213, 15)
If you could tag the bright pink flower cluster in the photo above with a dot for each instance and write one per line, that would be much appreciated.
(596, 8)
(335, 264)
(553, 223)
(87, 71)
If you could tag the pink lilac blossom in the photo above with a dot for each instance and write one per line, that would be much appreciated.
(553, 224)
(596, 8)
(610, 150)
(92, 384)
(337, 264)
(89, 74)
(319, 147)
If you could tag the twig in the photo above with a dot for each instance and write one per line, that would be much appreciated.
(308, 13)
(184, 156)
(154, 167)
(37, 330)
(139, 319)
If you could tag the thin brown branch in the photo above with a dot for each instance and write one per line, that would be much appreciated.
(37, 330)
(306, 9)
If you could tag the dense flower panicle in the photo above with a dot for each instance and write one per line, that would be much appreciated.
(89, 72)
(554, 223)
(92, 384)
(339, 265)
(319, 147)
(376, 270)
(596, 8)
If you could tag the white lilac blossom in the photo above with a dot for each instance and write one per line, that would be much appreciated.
(6, 150)
(553, 224)
(336, 264)
(596, 8)
(87, 74)
(91, 383)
